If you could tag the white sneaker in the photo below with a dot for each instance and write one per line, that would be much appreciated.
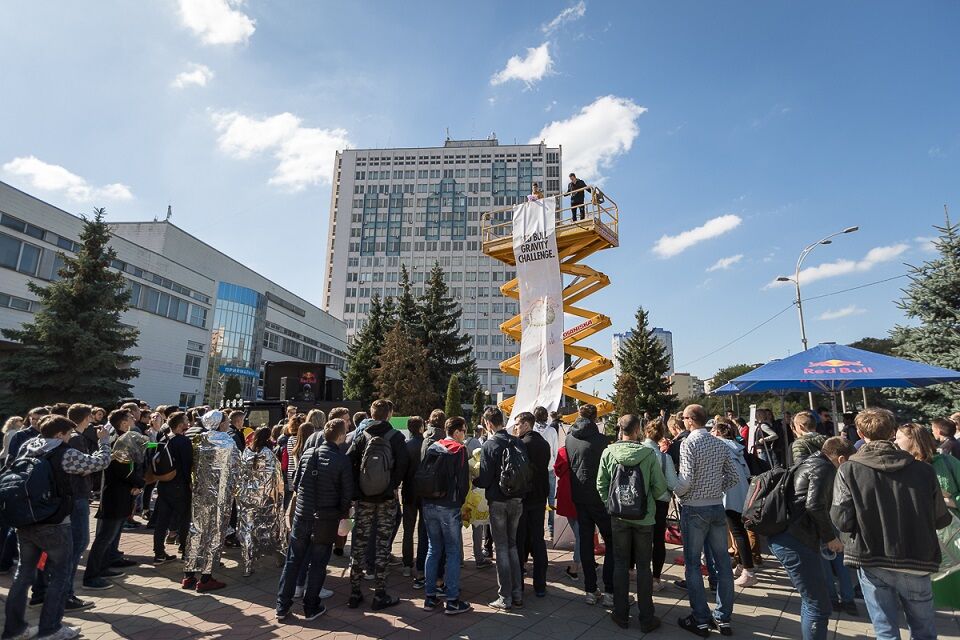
(746, 580)
(594, 598)
(298, 593)
(65, 632)
(325, 593)
(26, 634)
(738, 571)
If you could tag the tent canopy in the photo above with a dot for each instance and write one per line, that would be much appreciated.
(831, 367)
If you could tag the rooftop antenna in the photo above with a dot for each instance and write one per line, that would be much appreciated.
(448, 133)
(169, 213)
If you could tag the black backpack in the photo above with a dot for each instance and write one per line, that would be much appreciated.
(516, 475)
(162, 464)
(627, 498)
(376, 465)
(28, 492)
(433, 475)
(766, 510)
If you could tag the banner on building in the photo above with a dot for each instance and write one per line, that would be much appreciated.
(541, 306)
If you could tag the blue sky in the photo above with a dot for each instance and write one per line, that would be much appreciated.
(757, 127)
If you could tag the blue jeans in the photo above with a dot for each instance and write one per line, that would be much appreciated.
(57, 541)
(706, 527)
(886, 592)
(108, 531)
(80, 528)
(805, 568)
(300, 553)
(835, 566)
(443, 532)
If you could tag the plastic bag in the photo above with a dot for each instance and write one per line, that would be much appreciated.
(949, 538)
(346, 524)
(475, 510)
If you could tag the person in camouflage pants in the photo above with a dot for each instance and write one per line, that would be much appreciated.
(376, 519)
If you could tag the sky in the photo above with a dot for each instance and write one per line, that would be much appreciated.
(729, 134)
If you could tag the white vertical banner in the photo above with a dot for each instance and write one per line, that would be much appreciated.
(541, 307)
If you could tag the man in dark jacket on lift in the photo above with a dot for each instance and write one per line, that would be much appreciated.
(576, 199)
(585, 445)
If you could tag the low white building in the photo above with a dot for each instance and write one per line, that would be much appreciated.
(202, 315)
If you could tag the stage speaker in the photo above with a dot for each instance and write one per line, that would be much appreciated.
(334, 390)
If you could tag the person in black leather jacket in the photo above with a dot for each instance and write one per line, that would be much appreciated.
(799, 547)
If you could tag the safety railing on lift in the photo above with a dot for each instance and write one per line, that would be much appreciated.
(599, 207)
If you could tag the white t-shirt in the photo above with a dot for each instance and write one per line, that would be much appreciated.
(550, 435)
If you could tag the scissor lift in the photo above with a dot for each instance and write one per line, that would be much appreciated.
(576, 241)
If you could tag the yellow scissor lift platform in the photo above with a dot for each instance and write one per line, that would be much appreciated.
(577, 239)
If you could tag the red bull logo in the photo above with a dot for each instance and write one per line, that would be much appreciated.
(837, 366)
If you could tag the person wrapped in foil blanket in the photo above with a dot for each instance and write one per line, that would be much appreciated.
(261, 527)
(215, 472)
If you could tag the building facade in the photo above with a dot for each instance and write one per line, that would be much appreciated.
(662, 335)
(686, 386)
(191, 303)
(417, 206)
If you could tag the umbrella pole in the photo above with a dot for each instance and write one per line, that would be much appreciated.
(843, 401)
(833, 408)
(864, 390)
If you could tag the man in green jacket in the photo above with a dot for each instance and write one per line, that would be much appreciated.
(632, 539)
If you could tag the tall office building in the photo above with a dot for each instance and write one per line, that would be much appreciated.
(393, 207)
(662, 335)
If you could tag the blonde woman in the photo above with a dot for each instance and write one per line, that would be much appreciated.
(10, 427)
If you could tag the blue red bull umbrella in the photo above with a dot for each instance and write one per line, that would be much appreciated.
(834, 367)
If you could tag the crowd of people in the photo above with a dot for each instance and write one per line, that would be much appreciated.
(861, 506)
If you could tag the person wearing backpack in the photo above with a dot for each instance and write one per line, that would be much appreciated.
(45, 466)
(888, 506)
(707, 471)
(631, 478)
(585, 445)
(443, 481)
(502, 463)
(173, 495)
(323, 485)
(530, 540)
(379, 459)
(654, 432)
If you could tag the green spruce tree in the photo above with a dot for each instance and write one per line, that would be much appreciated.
(402, 376)
(364, 353)
(625, 395)
(448, 351)
(644, 359)
(453, 407)
(232, 388)
(408, 313)
(76, 347)
(479, 399)
(932, 300)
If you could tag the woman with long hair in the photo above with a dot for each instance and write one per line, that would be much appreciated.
(920, 443)
(285, 445)
(654, 433)
(733, 499)
(10, 427)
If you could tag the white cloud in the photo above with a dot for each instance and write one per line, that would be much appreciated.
(874, 257)
(217, 21)
(852, 310)
(726, 263)
(926, 243)
(669, 246)
(37, 174)
(198, 75)
(569, 14)
(305, 155)
(529, 70)
(593, 138)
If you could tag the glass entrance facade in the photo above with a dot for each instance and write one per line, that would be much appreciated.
(236, 343)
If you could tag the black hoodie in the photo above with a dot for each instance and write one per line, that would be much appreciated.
(400, 461)
(889, 506)
(585, 445)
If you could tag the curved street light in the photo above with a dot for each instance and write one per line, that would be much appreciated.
(796, 281)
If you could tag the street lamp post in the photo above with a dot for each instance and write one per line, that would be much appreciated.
(796, 281)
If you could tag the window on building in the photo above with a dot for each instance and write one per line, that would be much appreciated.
(187, 400)
(191, 365)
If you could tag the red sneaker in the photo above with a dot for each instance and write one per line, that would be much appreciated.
(210, 585)
(188, 583)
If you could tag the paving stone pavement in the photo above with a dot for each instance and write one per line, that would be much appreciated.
(148, 604)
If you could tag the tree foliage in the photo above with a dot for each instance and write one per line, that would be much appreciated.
(479, 404)
(408, 313)
(448, 350)
(453, 406)
(401, 375)
(364, 353)
(232, 388)
(76, 347)
(644, 358)
(625, 395)
(932, 301)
